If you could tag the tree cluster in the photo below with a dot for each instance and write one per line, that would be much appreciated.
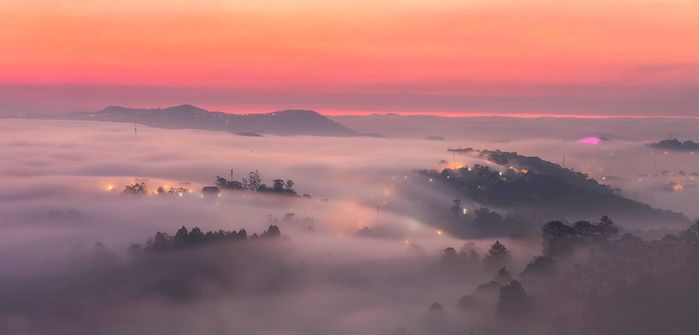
(675, 144)
(184, 238)
(136, 188)
(560, 238)
(483, 222)
(173, 190)
(253, 182)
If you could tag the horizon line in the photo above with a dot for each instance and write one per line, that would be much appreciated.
(369, 113)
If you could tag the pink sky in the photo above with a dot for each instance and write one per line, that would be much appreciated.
(507, 57)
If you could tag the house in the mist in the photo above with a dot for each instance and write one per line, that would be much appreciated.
(210, 192)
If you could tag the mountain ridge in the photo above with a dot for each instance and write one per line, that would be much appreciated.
(186, 116)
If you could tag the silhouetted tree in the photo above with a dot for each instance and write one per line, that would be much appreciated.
(229, 184)
(558, 238)
(195, 236)
(272, 232)
(278, 185)
(254, 181)
(181, 237)
(136, 188)
(503, 276)
(468, 253)
(514, 302)
(289, 185)
(449, 256)
(539, 266)
(498, 256)
(160, 242)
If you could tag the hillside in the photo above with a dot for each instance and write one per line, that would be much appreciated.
(538, 188)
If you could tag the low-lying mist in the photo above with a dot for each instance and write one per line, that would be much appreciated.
(364, 253)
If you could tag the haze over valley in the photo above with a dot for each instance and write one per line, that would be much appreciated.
(383, 167)
(367, 202)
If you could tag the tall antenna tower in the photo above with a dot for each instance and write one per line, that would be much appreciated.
(564, 160)
(231, 175)
(135, 129)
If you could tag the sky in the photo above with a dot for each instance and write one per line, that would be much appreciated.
(531, 57)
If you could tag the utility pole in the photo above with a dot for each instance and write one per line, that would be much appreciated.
(231, 175)
(135, 129)
(655, 170)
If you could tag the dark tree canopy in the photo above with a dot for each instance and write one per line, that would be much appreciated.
(253, 182)
(514, 302)
(560, 238)
(539, 266)
(185, 239)
(136, 188)
(497, 257)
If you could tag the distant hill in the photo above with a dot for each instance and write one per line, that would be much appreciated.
(286, 122)
(676, 145)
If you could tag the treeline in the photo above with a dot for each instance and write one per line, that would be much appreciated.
(166, 266)
(183, 239)
(142, 188)
(253, 182)
(587, 280)
(675, 144)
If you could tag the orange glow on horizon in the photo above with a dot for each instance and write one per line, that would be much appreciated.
(503, 115)
(320, 47)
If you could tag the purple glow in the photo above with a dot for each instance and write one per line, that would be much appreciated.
(590, 140)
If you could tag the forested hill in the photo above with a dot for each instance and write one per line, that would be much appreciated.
(539, 188)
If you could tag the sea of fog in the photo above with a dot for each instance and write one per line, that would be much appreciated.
(62, 182)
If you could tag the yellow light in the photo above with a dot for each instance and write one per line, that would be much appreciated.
(110, 187)
(677, 187)
(439, 232)
(465, 211)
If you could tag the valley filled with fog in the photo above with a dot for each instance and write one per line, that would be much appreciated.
(365, 237)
